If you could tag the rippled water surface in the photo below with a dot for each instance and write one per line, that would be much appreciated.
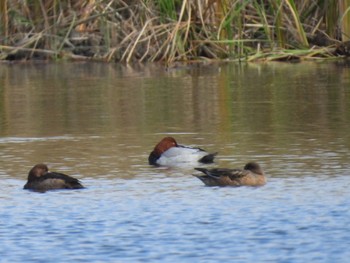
(99, 122)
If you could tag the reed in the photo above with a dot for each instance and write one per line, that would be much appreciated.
(4, 20)
(344, 12)
(173, 30)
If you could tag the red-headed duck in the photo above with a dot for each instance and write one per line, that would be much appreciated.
(251, 175)
(168, 153)
(41, 180)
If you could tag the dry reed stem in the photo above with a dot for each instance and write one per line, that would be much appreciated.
(137, 40)
(300, 30)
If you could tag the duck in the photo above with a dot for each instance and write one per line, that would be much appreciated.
(251, 175)
(169, 153)
(40, 179)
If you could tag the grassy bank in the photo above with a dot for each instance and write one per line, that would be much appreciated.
(174, 30)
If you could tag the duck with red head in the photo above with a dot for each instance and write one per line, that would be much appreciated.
(251, 175)
(41, 180)
(168, 153)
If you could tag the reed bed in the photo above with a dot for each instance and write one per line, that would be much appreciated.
(174, 30)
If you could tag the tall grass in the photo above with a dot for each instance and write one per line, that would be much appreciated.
(172, 30)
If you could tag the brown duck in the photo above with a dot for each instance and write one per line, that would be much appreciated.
(41, 180)
(251, 175)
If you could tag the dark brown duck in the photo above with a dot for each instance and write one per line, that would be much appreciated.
(41, 180)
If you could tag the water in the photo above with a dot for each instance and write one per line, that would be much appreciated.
(99, 122)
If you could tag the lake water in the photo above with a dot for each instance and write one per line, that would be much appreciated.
(99, 122)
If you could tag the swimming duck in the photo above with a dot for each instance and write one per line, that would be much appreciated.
(168, 153)
(251, 175)
(41, 180)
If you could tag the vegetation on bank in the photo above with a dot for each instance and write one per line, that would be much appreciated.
(174, 30)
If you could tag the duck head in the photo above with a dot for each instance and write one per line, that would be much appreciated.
(37, 171)
(254, 167)
(164, 145)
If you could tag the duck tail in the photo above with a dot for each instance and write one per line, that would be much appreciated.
(208, 179)
(203, 170)
(77, 185)
(206, 172)
(209, 158)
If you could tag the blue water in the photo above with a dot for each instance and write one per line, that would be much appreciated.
(172, 217)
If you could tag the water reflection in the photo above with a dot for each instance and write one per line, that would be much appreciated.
(242, 109)
(98, 98)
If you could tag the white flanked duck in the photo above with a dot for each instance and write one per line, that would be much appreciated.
(168, 153)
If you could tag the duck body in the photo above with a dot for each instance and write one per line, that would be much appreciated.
(41, 180)
(251, 175)
(168, 153)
